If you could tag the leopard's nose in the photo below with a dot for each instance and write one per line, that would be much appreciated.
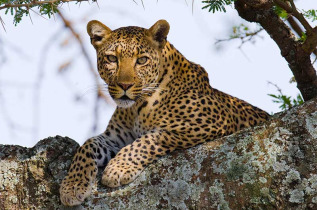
(125, 86)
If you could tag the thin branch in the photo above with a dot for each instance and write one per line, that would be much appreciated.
(291, 9)
(30, 15)
(295, 53)
(6, 44)
(277, 87)
(100, 94)
(300, 17)
(314, 60)
(96, 116)
(2, 23)
(292, 5)
(84, 52)
(39, 81)
(297, 29)
(143, 4)
(97, 3)
(38, 14)
(244, 37)
(37, 3)
(295, 26)
(193, 1)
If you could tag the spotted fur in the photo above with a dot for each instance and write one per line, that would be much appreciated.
(164, 104)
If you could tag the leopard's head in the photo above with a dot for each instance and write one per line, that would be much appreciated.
(128, 58)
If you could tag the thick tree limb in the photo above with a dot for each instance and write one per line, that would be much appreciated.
(271, 166)
(295, 53)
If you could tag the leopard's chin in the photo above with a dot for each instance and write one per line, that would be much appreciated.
(124, 103)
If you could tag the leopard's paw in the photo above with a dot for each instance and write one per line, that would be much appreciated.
(74, 192)
(117, 174)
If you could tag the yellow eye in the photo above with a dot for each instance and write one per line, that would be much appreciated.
(142, 60)
(112, 58)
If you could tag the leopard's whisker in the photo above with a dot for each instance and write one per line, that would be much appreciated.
(94, 89)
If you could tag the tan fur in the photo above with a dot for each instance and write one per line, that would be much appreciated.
(164, 104)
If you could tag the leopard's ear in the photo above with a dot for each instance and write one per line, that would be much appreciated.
(158, 32)
(97, 32)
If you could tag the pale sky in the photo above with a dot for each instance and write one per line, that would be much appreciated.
(242, 73)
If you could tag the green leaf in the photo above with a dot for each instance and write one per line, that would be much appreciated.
(303, 37)
(216, 5)
(272, 95)
(280, 12)
(310, 14)
(286, 101)
(46, 9)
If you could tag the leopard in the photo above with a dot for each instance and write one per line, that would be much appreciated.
(164, 103)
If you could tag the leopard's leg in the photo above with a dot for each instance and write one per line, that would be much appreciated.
(77, 185)
(133, 158)
(94, 153)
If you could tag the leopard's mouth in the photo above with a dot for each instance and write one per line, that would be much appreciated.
(125, 97)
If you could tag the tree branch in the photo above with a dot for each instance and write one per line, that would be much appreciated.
(246, 37)
(297, 29)
(291, 9)
(100, 93)
(37, 3)
(311, 40)
(270, 166)
(295, 53)
(84, 52)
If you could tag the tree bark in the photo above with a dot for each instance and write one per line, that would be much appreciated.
(297, 54)
(271, 166)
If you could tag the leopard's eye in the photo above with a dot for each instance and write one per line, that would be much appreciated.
(97, 38)
(112, 58)
(142, 60)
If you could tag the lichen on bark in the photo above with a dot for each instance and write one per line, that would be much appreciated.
(272, 166)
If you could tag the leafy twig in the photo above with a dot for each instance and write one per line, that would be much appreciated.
(216, 5)
(243, 33)
(298, 29)
(291, 9)
(286, 101)
(36, 3)
(22, 7)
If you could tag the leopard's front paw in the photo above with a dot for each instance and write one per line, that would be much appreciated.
(74, 191)
(117, 174)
